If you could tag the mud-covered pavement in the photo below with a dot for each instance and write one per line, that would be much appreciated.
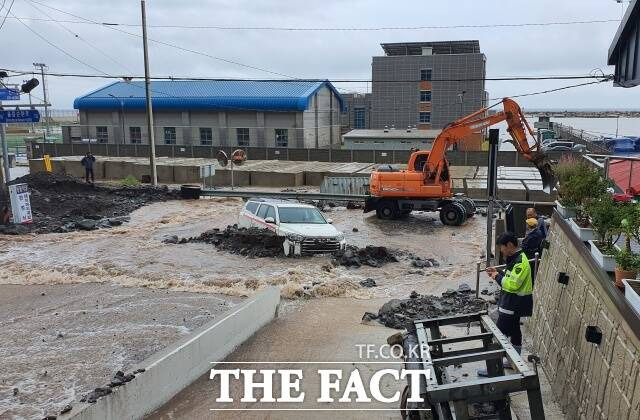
(134, 255)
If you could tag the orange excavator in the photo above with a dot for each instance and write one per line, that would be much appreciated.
(426, 183)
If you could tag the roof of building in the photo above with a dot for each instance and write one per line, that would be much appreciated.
(439, 47)
(242, 95)
(623, 52)
(364, 134)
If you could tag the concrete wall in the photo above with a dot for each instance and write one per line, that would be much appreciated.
(398, 103)
(466, 158)
(589, 381)
(172, 369)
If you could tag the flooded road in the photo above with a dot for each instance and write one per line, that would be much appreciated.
(312, 326)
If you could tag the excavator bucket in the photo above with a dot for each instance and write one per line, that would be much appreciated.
(541, 161)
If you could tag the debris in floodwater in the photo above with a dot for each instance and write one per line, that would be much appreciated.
(62, 203)
(260, 243)
(66, 409)
(400, 313)
(368, 283)
(252, 242)
(373, 256)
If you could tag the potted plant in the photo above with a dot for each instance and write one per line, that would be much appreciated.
(627, 262)
(580, 190)
(626, 267)
(606, 218)
(566, 168)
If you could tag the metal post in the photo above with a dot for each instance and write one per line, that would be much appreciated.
(33, 125)
(5, 155)
(478, 280)
(147, 85)
(232, 175)
(492, 175)
(46, 101)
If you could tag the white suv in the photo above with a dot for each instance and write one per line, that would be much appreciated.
(304, 228)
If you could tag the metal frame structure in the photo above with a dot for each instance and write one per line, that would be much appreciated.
(450, 400)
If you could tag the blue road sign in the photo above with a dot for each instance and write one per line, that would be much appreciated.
(9, 94)
(19, 116)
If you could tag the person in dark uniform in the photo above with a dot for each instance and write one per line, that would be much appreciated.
(516, 297)
(532, 242)
(87, 162)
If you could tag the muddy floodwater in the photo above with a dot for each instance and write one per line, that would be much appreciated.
(123, 262)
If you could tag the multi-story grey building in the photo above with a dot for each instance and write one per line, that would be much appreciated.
(288, 114)
(423, 84)
(357, 111)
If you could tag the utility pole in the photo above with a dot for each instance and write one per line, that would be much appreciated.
(5, 155)
(147, 85)
(46, 101)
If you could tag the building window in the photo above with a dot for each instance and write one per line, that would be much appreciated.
(206, 136)
(426, 74)
(242, 135)
(102, 134)
(282, 137)
(135, 135)
(169, 135)
(425, 96)
(425, 117)
(358, 118)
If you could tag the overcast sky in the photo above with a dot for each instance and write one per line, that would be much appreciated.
(547, 50)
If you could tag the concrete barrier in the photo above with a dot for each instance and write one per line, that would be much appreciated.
(172, 369)
(277, 179)
(222, 178)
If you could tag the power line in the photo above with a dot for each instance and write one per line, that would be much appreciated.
(6, 14)
(77, 36)
(336, 29)
(61, 49)
(112, 27)
(542, 92)
(293, 80)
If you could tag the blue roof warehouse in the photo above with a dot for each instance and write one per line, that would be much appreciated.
(282, 113)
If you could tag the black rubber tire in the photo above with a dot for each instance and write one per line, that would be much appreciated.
(453, 214)
(387, 210)
(469, 206)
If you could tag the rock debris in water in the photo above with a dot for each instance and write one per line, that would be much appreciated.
(61, 203)
(400, 313)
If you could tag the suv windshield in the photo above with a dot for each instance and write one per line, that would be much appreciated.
(300, 215)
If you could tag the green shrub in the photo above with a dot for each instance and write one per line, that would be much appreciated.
(582, 188)
(569, 166)
(627, 260)
(130, 181)
(606, 219)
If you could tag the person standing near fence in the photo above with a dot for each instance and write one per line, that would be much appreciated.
(88, 162)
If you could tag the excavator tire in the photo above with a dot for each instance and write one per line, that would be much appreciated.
(387, 210)
(453, 214)
(469, 206)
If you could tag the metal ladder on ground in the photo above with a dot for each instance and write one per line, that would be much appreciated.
(450, 400)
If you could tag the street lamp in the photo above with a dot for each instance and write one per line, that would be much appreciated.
(122, 134)
(27, 87)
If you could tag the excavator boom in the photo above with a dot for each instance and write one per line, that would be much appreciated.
(517, 126)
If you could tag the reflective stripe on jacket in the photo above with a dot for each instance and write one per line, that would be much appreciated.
(516, 297)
